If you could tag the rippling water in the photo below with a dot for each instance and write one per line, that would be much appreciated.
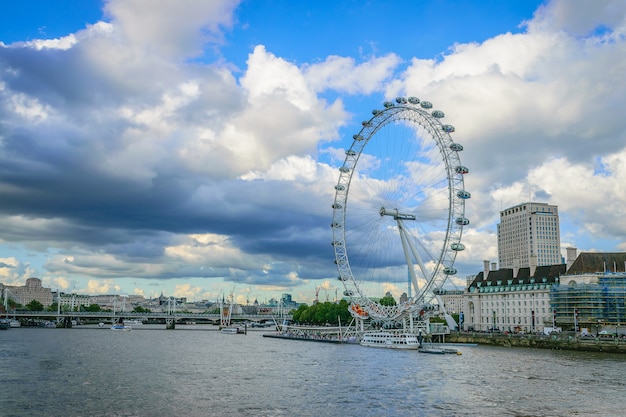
(196, 371)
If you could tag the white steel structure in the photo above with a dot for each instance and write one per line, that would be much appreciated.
(400, 213)
(529, 236)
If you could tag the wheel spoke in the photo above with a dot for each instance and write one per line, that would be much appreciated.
(399, 209)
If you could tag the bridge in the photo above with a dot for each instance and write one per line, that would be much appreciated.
(170, 318)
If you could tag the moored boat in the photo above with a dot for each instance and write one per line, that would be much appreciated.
(439, 350)
(233, 330)
(121, 327)
(390, 340)
(4, 324)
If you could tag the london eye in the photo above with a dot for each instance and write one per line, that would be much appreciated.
(399, 210)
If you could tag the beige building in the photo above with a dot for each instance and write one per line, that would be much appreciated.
(73, 301)
(452, 300)
(529, 236)
(33, 290)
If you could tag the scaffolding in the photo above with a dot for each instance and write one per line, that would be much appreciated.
(591, 305)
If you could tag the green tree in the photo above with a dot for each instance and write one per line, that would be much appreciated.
(298, 313)
(34, 306)
(323, 313)
(93, 308)
(387, 301)
(140, 309)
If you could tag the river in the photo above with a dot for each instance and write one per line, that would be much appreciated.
(197, 371)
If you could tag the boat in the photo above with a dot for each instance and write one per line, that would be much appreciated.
(390, 340)
(15, 323)
(233, 330)
(432, 351)
(4, 324)
(121, 327)
(133, 322)
(439, 350)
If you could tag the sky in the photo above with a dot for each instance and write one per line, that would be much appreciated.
(190, 148)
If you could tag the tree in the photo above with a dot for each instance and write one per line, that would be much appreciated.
(323, 313)
(94, 308)
(387, 300)
(297, 315)
(140, 309)
(34, 306)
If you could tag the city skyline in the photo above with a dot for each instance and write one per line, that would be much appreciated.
(192, 149)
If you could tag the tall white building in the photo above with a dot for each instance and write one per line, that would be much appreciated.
(529, 236)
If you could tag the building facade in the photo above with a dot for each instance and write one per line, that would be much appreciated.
(498, 300)
(32, 291)
(452, 300)
(591, 297)
(72, 302)
(529, 236)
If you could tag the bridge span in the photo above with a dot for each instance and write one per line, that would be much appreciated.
(170, 318)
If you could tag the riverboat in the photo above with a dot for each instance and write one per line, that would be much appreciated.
(4, 324)
(390, 340)
(233, 330)
(121, 327)
(440, 350)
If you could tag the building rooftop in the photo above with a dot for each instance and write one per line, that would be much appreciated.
(502, 276)
(585, 263)
(593, 262)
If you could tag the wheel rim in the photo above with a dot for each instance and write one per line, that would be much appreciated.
(399, 209)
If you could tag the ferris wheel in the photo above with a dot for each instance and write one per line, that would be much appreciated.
(399, 210)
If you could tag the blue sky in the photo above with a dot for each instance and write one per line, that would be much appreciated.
(131, 136)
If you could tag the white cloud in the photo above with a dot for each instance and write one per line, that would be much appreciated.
(170, 28)
(579, 17)
(342, 74)
(535, 111)
(123, 106)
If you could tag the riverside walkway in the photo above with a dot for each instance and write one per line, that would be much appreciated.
(560, 341)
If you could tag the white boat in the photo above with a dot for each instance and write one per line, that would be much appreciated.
(121, 327)
(390, 340)
(133, 322)
(15, 323)
(233, 330)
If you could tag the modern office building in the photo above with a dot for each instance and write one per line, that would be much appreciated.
(529, 236)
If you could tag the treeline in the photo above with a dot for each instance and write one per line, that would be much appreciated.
(320, 314)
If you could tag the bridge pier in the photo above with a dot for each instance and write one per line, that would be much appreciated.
(170, 324)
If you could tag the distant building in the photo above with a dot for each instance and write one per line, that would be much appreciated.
(32, 291)
(452, 300)
(72, 301)
(404, 298)
(288, 302)
(529, 236)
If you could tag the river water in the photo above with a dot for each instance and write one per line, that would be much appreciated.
(197, 371)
